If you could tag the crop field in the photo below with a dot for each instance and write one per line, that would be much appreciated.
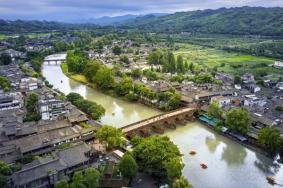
(231, 62)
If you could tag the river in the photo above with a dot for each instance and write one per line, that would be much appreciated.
(230, 165)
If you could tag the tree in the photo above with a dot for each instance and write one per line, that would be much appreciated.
(117, 50)
(5, 59)
(124, 86)
(171, 63)
(214, 110)
(174, 169)
(91, 69)
(124, 59)
(238, 120)
(77, 180)
(91, 108)
(153, 155)
(5, 84)
(5, 172)
(192, 67)
(91, 178)
(237, 79)
(180, 64)
(31, 106)
(104, 78)
(128, 166)
(155, 57)
(270, 138)
(182, 183)
(62, 184)
(112, 136)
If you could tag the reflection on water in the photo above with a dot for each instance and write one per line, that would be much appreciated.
(233, 158)
(230, 165)
(211, 143)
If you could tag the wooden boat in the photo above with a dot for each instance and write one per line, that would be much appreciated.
(193, 152)
(203, 165)
(270, 180)
(61, 81)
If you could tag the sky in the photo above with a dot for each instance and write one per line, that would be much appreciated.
(65, 10)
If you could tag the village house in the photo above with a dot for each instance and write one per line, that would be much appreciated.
(222, 101)
(278, 64)
(11, 101)
(44, 172)
(51, 109)
(30, 84)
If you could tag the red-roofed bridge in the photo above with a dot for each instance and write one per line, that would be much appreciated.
(160, 122)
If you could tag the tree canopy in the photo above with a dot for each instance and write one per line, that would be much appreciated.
(270, 138)
(112, 136)
(128, 166)
(158, 156)
(238, 120)
(214, 110)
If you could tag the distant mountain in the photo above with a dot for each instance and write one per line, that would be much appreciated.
(239, 21)
(117, 20)
(22, 26)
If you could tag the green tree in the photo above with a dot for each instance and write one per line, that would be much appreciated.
(237, 79)
(182, 183)
(5, 59)
(214, 110)
(91, 69)
(112, 136)
(155, 57)
(31, 106)
(5, 84)
(192, 67)
(117, 50)
(62, 184)
(5, 172)
(270, 138)
(180, 64)
(124, 86)
(104, 78)
(124, 59)
(238, 120)
(174, 169)
(153, 155)
(91, 178)
(128, 166)
(78, 180)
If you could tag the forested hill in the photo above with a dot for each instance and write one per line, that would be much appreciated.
(21, 26)
(243, 20)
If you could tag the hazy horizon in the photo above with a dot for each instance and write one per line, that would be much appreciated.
(66, 10)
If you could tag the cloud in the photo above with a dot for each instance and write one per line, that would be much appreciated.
(84, 9)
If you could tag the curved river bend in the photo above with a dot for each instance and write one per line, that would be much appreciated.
(230, 165)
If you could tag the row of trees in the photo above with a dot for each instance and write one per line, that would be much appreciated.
(5, 84)
(238, 120)
(103, 78)
(88, 178)
(168, 61)
(91, 108)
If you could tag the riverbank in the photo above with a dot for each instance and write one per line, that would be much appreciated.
(247, 143)
(226, 159)
(82, 79)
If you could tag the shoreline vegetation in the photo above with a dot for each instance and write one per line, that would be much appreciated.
(82, 79)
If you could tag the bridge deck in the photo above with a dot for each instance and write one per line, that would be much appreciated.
(154, 119)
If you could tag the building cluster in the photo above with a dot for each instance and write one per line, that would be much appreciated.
(59, 134)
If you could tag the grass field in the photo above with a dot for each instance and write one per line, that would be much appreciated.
(76, 77)
(2, 37)
(235, 63)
